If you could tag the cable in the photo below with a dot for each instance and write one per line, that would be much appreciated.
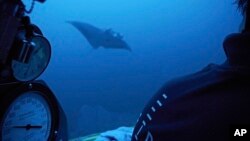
(31, 8)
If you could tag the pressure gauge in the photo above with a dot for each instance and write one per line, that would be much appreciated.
(31, 112)
(28, 118)
(33, 59)
(30, 54)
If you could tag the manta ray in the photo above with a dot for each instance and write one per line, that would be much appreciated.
(100, 38)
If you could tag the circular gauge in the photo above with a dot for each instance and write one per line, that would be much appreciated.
(28, 118)
(30, 112)
(33, 59)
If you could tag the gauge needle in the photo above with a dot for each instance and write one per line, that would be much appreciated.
(28, 127)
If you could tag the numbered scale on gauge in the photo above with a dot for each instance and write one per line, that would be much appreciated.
(28, 118)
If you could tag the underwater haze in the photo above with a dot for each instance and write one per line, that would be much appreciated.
(102, 89)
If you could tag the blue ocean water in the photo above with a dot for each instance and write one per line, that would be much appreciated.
(102, 89)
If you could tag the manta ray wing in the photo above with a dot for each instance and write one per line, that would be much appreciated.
(91, 33)
(115, 43)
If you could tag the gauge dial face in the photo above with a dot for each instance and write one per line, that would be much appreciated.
(27, 119)
(38, 60)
